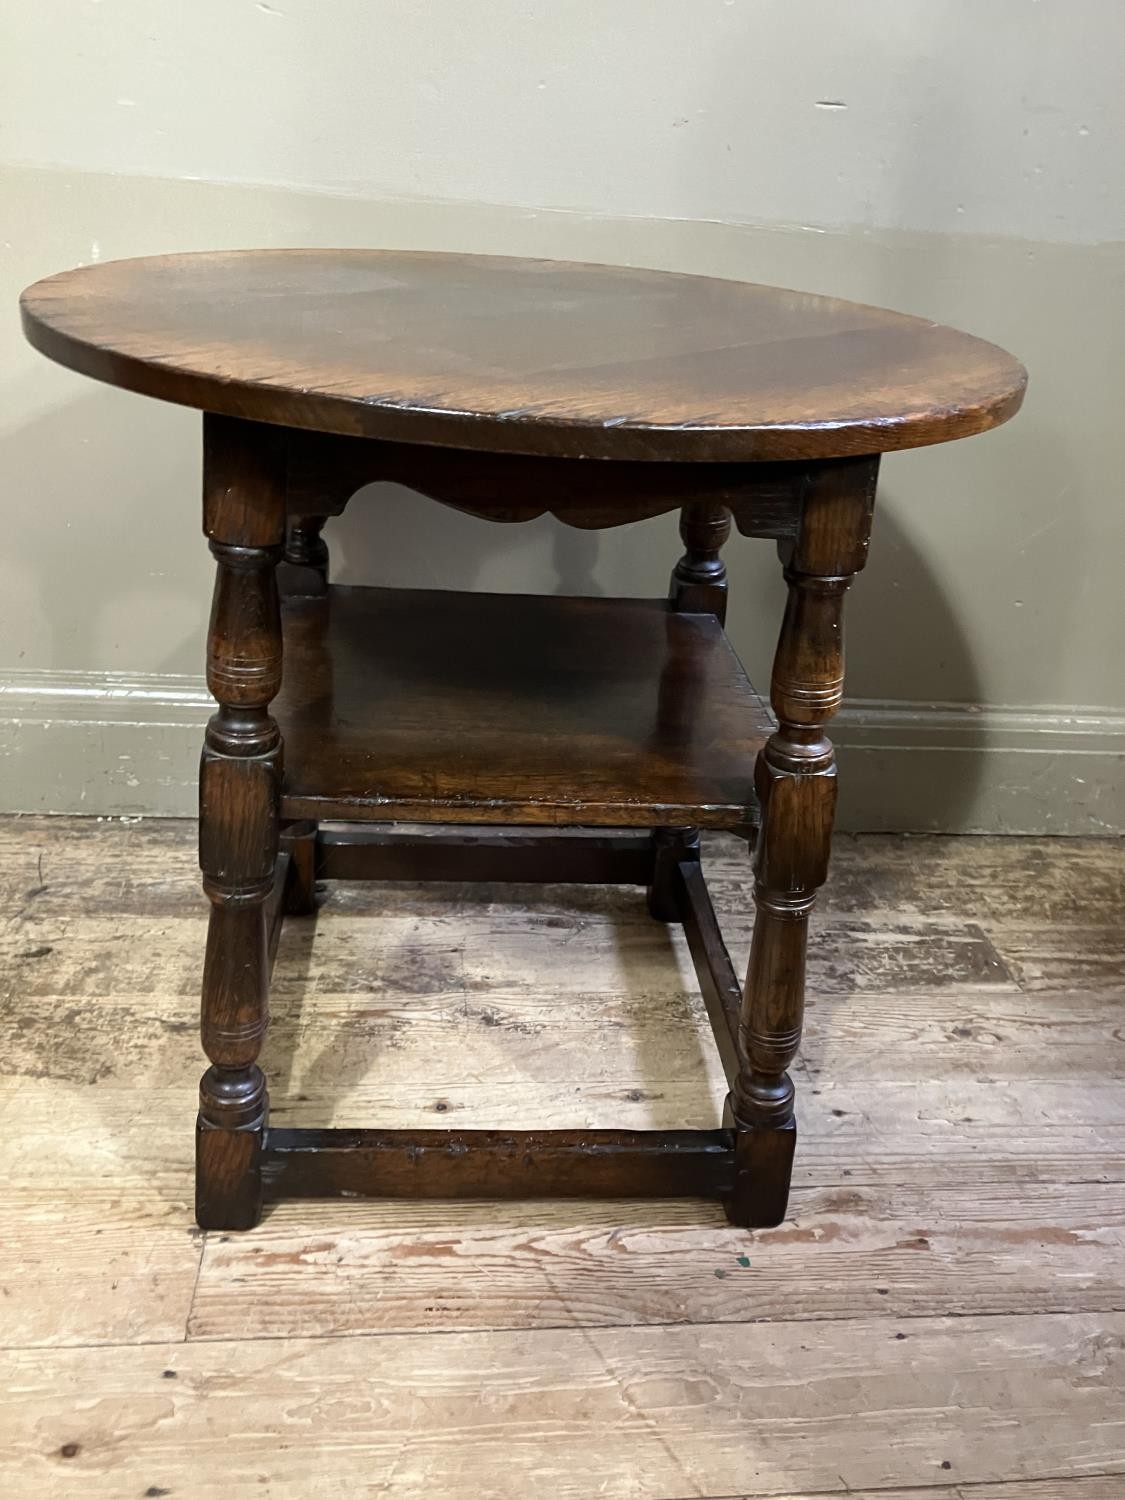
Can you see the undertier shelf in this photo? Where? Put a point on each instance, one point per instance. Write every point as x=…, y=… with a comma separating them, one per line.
x=426, y=706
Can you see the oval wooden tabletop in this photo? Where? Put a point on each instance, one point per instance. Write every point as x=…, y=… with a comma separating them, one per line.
x=524, y=356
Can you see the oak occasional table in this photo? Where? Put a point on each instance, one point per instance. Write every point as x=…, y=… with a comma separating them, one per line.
x=509, y=388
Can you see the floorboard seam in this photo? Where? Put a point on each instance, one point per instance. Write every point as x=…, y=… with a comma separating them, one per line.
x=581, y=1328
x=194, y=1289
x=574, y=1328
x=958, y=1487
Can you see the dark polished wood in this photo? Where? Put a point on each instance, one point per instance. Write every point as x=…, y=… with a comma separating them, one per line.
x=699, y=579
x=522, y=356
x=500, y=1163
x=325, y=471
x=499, y=708
x=277, y=904
x=304, y=565
x=718, y=984
x=239, y=787
x=511, y=389
x=379, y=854
x=670, y=846
x=298, y=844
x=796, y=783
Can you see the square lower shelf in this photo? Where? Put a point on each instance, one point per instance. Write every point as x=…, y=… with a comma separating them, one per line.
x=424, y=706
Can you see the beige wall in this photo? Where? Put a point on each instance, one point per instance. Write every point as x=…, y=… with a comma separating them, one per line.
x=960, y=160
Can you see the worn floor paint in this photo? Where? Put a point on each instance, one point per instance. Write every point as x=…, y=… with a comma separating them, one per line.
x=941, y=1316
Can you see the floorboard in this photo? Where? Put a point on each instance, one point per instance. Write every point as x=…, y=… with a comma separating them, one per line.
x=941, y=1316
x=658, y=1413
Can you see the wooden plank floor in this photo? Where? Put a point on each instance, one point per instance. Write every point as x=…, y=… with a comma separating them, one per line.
x=941, y=1318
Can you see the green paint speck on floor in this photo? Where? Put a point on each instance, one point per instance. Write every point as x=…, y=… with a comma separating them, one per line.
x=743, y=1260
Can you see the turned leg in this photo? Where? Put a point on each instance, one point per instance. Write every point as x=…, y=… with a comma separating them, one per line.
x=304, y=567
x=699, y=579
x=298, y=840
x=698, y=586
x=239, y=791
x=670, y=847
x=302, y=574
x=795, y=781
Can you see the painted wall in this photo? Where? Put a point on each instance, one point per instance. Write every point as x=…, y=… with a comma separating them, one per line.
x=959, y=160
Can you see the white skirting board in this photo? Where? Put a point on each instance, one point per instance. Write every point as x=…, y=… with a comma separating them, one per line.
x=116, y=745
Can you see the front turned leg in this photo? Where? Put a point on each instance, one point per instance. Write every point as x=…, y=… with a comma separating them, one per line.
x=795, y=781
x=239, y=792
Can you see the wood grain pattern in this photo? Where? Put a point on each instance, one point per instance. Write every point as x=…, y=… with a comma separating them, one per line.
x=522, y=356
x=795, y=783
x=569, y=712
x=707, y=1410
x=498, y=1164
x=948, y=1287
x=892, y=1252
x=325, y=471
x=881, y=882
x=459, y=714
x=239, y=785
x=1066, y=1487
x=95, y=1259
